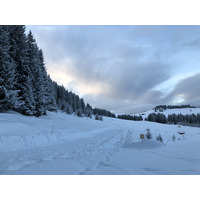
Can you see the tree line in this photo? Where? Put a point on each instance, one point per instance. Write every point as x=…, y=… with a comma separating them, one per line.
x=103, y=112
x=174, y=118
x=25, y=86
x=160, y=108
x=130, y=117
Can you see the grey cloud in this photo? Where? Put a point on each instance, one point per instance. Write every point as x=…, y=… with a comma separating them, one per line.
x=168, y=40
x=193, y=44
x=189, y=89
x=104, y=59
x=134, y=81
x=119, y=105
x=127, y=62
x=154, y=97
x=131, y=86
x=125, y=80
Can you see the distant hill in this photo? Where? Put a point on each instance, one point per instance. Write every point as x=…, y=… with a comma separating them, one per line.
x=183, y=111
x=164, y=107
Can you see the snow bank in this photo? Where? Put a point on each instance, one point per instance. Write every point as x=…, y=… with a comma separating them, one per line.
x=23, y=132
x=146, y=144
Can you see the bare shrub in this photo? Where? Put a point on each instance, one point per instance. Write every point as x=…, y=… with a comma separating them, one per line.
x=159, y=138
x=126, y=139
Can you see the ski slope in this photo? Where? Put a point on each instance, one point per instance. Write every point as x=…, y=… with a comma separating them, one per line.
x=65, y=144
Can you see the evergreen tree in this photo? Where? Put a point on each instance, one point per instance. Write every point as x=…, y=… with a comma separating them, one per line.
x=50, y=95
x=174, y=118
x=169, y=118
x=152, y=117
x=88, y=111
x=161, y=118
x=48, y=98
x=198, y=117
x=36, y=76
x=8, y=97
x=22, y=83
x=82, y=106
x=193, y=119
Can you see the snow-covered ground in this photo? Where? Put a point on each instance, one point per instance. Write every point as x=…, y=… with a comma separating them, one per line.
x=65, y=144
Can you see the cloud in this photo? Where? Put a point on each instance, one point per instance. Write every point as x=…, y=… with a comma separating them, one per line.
x=193, y=44
x=120, y=68
x=188, y=90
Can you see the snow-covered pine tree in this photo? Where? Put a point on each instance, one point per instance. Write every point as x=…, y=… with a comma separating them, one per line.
x=49, y=97
x=8, y=95
x=79, y=113
x=74, y=103
x=174, y=118
x=69, y=109
x=88, y=111
x=82, y=105
x=39, y=86
x=70, y=101
x=22, y=83
x=38, y=75
x=62, y=100
x=161, y=118
x=198, y=117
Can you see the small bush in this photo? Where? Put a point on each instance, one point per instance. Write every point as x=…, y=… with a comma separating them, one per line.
x=79, y=113
x=96, y=117
x=173, y=138
x=159, y=138
x=99, y=117
x=148, y=135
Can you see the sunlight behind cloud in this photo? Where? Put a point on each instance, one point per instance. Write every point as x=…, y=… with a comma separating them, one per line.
x=178, y=99
x=62, y=73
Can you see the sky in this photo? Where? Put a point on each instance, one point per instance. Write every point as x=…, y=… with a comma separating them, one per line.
x=125, y=69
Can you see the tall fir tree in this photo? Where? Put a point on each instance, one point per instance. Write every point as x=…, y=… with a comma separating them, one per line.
x=38, y=75
x=8, y=95
x=23, y=83
x=50, y=95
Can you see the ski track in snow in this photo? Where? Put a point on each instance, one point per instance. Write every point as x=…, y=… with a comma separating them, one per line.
x=102, y=144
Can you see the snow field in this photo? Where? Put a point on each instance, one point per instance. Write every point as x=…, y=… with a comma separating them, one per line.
x=65, y=144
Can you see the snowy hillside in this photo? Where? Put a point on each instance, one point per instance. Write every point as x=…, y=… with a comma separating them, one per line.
x=64, y=144
x=183, y=111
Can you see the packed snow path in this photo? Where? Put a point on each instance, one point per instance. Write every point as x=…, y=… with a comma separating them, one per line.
x=101, y=146
x=64, y=144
